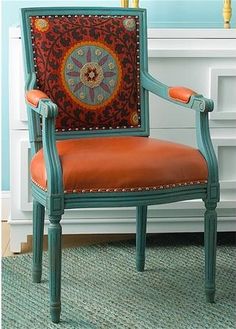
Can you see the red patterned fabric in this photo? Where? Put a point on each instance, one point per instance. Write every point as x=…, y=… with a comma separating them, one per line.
x=89, y=66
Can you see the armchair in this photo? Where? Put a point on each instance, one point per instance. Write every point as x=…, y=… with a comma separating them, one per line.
x=87, y=101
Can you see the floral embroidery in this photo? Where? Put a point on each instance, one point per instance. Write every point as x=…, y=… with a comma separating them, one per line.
x=100, y=98
x=111, y=66
x=41, y=24
x=98, y=52
x=91, y=75
x=134, y=118
x=81, y=107
x=80, y=52
x=70, y=66
x=82, y=95
x=129, y=24
x=112, y=83
x=71, y=82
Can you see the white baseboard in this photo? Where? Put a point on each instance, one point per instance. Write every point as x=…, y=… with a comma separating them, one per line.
x=19, y=229
x=5, y=198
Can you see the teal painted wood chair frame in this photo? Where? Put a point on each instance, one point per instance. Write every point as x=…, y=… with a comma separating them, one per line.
x=42, y=116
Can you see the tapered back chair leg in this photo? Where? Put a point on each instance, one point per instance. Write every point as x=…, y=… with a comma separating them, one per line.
x=141, y=224
x=210, y=237
x=54, y=249
x=38, y=228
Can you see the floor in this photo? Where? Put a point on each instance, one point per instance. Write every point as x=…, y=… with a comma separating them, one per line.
x=68, y=241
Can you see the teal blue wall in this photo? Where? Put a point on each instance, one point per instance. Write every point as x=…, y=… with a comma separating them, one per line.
x=161, y=13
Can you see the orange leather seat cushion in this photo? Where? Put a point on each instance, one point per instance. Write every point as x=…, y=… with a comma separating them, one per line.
x=123, y=164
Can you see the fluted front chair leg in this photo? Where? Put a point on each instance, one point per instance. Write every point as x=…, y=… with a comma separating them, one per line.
x=38, y=227
x=54, y=249
x=141, y=224
x=210, y=238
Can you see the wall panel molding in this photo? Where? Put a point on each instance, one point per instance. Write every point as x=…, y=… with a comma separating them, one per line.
x=222, y=91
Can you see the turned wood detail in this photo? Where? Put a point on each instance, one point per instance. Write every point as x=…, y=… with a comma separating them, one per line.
x=227, y=13
x=54, y=250
x=134, y=4
x=124, y=3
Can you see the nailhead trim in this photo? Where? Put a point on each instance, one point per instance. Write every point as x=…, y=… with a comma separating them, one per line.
x=129, y=189
x=97, y=128
x=138, y=66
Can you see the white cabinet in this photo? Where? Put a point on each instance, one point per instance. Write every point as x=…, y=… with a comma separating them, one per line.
x=204, y=60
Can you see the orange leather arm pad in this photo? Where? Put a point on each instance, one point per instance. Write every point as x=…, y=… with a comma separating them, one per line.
x=181, y=94
x=34, y=96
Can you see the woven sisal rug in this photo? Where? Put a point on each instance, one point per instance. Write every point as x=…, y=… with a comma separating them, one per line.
x=101, y=288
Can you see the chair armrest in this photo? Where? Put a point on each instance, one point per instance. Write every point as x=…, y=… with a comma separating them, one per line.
x=178, y=95
x=188, y=98
x=181, y=94
x=41, y=103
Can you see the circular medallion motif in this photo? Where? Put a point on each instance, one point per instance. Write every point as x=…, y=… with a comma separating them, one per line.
x=91, y=74
x=129, y=24
x=41, y=24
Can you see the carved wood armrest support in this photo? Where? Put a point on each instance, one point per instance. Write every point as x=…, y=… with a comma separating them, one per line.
x=52, y=160
x=41, y=104
x=188, y=98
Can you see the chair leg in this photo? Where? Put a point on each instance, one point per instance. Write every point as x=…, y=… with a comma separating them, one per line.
x=210, y=236
x=141, y=224
x=54, y=249
x=38, y=227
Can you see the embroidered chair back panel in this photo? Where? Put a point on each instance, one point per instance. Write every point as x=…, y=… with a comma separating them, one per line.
x=89, y=65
